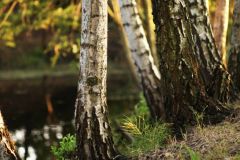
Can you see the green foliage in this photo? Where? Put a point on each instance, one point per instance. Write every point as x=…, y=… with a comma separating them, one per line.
x=34, y=59
x=66, y=148
x=193, y=155
x=60, y=20
x=237, y=157
x=198, y=117
x=147, y=136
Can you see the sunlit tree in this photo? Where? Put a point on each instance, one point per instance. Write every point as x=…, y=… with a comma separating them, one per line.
x=94, y=140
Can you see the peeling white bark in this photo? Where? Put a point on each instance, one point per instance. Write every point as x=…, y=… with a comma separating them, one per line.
x=199, y=17
x=213, y=70
x=93, y=131
x=138, y=42
x=7, y=148
x=142, y=56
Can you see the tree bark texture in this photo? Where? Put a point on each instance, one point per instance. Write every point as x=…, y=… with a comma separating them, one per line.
x=7, y=148
x=216, y=79
x=142, y=56
x=220, y=26
x=94, y=140
x=234, y=56
x=183, y=86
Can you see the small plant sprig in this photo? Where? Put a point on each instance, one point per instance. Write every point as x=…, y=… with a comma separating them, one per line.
x=66, y=148
x=193, y=155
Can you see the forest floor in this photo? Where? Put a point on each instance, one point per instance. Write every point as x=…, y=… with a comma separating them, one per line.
x=213, y=142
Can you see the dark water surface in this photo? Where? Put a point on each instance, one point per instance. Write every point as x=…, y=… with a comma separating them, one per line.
x=34, y=130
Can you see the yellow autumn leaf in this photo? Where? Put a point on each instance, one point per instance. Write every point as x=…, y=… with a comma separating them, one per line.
x=74, y=48
x=10, y=44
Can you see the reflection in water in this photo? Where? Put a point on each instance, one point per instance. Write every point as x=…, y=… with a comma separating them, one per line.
x=39, y=110
x=36, y=143
x=36, y=131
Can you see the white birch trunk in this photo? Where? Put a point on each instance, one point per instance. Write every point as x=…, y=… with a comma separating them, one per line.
x=213, y=71
x=7, y=148
x=199, y=16
x=141, y=53
x=93, y=131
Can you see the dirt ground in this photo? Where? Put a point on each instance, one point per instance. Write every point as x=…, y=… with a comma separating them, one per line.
x=213, y=142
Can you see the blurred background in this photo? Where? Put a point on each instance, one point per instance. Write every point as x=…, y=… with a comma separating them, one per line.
x=39, y=50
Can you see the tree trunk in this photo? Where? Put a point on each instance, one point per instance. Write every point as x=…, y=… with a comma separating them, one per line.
x=94, y=140
x=183, y=86
x=7, y=148
x=142, y=56
x=207, y=5
x=150, y=27
x=215, y=76
x=234, y=57
x=220, y=26
x=116, y=16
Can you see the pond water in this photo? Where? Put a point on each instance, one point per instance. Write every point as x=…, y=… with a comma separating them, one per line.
x=35, y=131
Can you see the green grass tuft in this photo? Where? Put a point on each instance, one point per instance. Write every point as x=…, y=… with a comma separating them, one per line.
x=147, y=135
x=193, y=155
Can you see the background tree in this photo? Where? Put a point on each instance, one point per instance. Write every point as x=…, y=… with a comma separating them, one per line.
x=142, y=56
x=94, y=140
x=115, y=14
x=220, y=26
x=149, y=26
x=57, y=21
x=234, y=55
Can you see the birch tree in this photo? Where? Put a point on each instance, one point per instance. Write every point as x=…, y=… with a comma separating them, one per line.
x=234, y=57
x=115, y=14
x=94, y=140
x=7, y=148
x=142, y=56
x=150, y=27
x=220, y=26
x=183, y=86
x=215, y=76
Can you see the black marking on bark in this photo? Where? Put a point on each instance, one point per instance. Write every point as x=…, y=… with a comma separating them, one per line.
x=135, y=14
x=85, y=31
x=126, y=24
x=140, y=36
x=93, y=92
x=137, y=26
x=133, y=50
x=95, y=16
x=128, y=5
x=92, y=81
x=88, y=45
x=144, y=53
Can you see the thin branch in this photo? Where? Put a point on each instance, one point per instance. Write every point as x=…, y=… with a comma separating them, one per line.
x=9, y=12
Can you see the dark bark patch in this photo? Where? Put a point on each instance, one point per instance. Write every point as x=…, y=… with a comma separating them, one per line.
x=126, y=24
x=92, y=81
x=128, y=5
